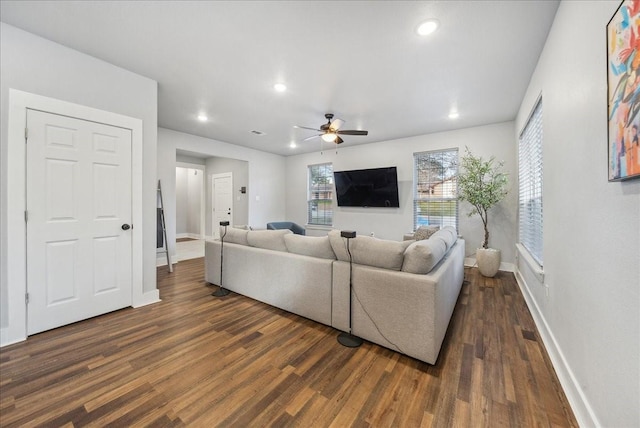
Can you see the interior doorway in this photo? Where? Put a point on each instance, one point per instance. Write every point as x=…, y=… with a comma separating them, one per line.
x=190, y=201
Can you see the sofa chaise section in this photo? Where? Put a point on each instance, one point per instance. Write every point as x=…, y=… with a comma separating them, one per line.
x=296, y=283
x=403, y=311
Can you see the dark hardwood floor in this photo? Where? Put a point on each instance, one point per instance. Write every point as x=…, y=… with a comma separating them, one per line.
x=196, y=360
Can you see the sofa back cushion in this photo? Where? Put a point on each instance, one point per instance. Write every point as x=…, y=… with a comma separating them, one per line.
x=448, y=234
x=366, y=250
x=422, y=256
x=268, y=239
x=234, y=235
x=314, y=246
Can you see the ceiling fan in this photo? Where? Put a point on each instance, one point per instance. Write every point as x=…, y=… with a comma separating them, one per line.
x=330, y=131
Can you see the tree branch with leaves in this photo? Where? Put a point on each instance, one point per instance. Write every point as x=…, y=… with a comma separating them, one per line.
x=483, y=184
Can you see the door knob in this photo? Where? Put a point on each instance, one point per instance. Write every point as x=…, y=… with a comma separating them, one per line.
x=126, y=227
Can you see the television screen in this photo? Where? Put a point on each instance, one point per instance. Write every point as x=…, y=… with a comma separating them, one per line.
x=376, y=187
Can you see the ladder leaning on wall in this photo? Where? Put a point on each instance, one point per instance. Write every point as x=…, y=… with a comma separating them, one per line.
x=162, y=225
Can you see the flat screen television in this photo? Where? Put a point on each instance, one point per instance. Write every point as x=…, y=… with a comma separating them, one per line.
x=375, y=187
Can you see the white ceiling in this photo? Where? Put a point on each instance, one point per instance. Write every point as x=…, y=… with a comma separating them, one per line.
x=361, y=60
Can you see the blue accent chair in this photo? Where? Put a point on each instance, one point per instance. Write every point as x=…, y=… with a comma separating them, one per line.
x=295, y=228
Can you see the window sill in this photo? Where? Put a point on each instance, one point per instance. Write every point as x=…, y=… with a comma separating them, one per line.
x=317, y=227
x=531, y=263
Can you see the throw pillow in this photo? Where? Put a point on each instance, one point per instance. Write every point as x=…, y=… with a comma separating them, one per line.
x=425, y=232
x=314, y=246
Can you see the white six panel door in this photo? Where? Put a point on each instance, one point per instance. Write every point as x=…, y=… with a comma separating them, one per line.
x=222, y=200
x=78, y=199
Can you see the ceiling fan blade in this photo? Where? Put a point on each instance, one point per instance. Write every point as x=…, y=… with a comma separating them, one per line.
x=306, y=127
x=338, y=140
x=352, y=132
x=336, y=124
x=311, y=138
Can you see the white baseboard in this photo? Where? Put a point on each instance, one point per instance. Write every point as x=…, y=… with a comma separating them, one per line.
x=148, y=298
x=189, y=235
x=507, y=267
x=6, y=340
x=582, y=410
x=162, y=261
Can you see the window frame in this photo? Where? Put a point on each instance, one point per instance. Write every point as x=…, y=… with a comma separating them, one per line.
x=313, y=196
x=453, y=198
x=531, y=185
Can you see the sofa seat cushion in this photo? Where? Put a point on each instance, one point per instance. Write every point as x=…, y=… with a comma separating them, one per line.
x=234, y=235
x=422, y=256
x=314, y=246
x=268, y=239
x=369, y=251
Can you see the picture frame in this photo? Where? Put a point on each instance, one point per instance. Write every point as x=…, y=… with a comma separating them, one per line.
x=623, y=92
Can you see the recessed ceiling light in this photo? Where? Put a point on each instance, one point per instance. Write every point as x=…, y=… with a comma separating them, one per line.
x=428, y=27
x=293, y=145
x=454, y=114
x=280, y=87
x=202, y=117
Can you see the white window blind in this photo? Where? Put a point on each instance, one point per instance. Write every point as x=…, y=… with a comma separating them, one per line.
x=530, y=191
x=320, y=195
x=435, y=200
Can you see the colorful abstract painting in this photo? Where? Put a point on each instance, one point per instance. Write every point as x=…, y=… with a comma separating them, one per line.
x=623, y=74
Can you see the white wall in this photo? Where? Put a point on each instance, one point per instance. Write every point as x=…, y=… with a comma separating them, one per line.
x=182, y=200
x=32, y=64
x=391, y=223
x=195, y=184
x=266, y=188
x=591, y=318
x=189, y=188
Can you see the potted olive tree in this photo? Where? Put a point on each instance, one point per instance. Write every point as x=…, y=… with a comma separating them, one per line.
x=483, y=184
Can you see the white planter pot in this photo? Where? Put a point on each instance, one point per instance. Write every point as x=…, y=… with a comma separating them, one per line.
x=488, y=261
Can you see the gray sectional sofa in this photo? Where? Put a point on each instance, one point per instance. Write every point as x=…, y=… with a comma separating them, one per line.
x=403, y=296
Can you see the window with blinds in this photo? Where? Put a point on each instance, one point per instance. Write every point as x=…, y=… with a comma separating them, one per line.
x=530, y=191
x=435, y=200
x=320, y=195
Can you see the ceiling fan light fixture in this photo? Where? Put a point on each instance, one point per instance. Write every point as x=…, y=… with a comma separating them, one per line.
x=428, y=27
x=329, y=137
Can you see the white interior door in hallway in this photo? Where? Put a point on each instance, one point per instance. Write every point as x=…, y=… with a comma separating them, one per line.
x=79, y=243
x=222, y=189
